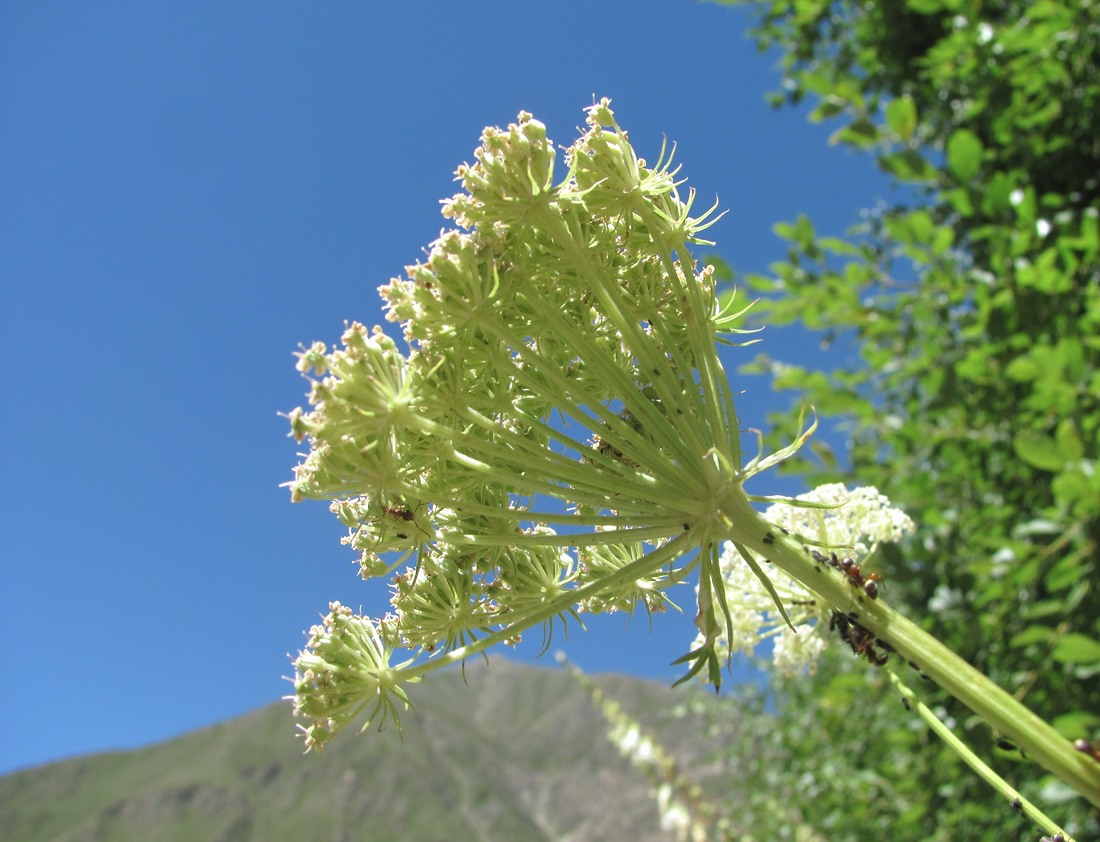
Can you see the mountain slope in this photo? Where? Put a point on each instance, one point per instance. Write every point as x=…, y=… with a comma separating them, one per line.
x=513, y=753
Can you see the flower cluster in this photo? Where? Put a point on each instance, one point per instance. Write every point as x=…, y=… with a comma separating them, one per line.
x=856, y=520
x=559, y=436
x=346, y=667
x=853, y=522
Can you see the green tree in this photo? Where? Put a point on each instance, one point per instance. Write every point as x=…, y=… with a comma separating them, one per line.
x=975, y=306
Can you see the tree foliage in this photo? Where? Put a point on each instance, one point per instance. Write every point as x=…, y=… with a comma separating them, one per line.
x=975, y=403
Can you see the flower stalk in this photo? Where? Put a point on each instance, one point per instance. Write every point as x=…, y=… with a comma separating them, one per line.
x=1021, y=804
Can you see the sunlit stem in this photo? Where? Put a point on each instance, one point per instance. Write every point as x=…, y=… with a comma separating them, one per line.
x=972, y=760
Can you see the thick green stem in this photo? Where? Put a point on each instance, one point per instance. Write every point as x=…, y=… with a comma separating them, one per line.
x=1033, y=735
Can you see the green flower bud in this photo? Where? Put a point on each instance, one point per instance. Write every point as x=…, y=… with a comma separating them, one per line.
x=344, y=669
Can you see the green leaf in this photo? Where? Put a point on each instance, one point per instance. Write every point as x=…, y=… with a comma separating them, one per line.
x=801, y=231
x=837, y=245
x=907, y=166
x=1065, y=574
x=860, y=133
x=785, y=230
x=804, y=231
x=901, y=116
x=964, y=154
x=829, y=107
x=1038, y=450
x=998, y=193
x=1090, y=232
x=1069, y=440
x=1076, y=649
x=960, y=201
x=1023, y=369
x=1069, y=487
x=1031, y=635
x=1075, y=723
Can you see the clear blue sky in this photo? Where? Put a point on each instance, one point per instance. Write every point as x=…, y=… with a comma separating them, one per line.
x=190, y=190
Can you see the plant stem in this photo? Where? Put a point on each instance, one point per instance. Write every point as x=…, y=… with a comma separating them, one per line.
x=1025, y=807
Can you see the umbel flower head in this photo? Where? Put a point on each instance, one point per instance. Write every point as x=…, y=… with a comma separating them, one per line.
x=559, y=436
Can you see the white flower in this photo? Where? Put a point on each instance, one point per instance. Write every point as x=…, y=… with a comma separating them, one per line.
x=797, y=649
x=754, y=616
x=856, y=520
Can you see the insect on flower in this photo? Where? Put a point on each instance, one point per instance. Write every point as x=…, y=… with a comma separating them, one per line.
x=405, y=515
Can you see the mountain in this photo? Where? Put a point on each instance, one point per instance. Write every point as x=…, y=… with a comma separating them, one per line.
x=508, y=752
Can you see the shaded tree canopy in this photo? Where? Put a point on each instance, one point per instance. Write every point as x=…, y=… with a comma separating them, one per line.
x=975, y=402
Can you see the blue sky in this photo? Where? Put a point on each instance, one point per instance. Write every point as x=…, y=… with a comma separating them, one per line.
x=190, y=190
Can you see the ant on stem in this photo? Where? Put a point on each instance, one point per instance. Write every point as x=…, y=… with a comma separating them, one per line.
x=859, y=638
x=852, y=572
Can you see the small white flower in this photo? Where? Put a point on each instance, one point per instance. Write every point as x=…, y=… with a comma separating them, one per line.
x=797, y=650
x=856, y=520
x=754, y=616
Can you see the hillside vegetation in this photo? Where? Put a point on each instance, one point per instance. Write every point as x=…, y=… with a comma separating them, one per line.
x=512, y=753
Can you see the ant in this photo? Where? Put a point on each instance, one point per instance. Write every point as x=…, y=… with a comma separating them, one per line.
x=606, y=448
x=1092, y=749
x=400, y=514
x=870, y=585
x=916, y=667
x=852, y=572
x=860, y=639
x=405, y=515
